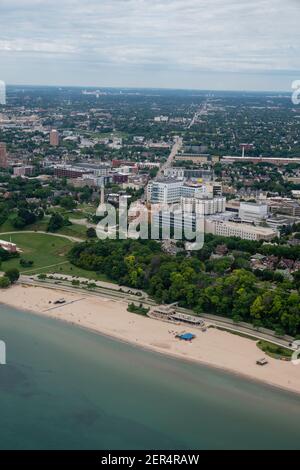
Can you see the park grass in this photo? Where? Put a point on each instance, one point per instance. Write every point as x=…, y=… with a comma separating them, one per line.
x=74, y=230
x=275, y=351
x=49, y=255
x=40, y=225
x=44, y=250
x=70, y=214
x=71, y=270
x=77, y=231
x=87, y=207
x=75, y=214
x=139, y=309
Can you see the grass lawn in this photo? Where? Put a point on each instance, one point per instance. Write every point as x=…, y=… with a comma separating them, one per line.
x=49, y=254
x=74, y=230
x=40, y=225
x=272, y=350
x=76, y=214
x=87, y=207
x=43, y=250
x=72, y=270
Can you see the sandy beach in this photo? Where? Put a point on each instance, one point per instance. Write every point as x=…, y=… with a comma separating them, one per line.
x=213, y=347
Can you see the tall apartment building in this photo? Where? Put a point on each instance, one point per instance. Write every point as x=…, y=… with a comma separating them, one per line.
x=203, y=206
x=54, y=138
x=3, y=155
x=174, y=220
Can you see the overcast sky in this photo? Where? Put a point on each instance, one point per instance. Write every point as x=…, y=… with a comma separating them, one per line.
x=202, y=44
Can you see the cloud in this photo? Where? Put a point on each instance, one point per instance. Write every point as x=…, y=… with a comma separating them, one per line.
x=199, y=35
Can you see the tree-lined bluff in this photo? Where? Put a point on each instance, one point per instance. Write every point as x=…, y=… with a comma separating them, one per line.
x=217, y=286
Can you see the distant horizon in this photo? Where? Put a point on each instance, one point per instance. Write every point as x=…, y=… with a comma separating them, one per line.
x=163, y=44
x=162, y=88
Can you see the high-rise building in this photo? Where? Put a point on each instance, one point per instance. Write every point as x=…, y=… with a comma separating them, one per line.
x=3, y=155
x=164, y=191
x=54, y=138
x=2, y=93
x=169, y=191
x=206, y=206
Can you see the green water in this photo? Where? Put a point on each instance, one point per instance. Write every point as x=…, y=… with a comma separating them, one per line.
x=66, y=388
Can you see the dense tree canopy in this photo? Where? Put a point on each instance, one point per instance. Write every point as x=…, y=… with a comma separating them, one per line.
x=214, y=286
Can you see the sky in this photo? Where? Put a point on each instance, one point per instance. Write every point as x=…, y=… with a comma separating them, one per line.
x=193, y=44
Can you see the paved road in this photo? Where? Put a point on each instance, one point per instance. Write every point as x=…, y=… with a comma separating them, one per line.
x=67, y=237
x=198, y=113
x=99, y=292
x=242, y=328
x=83, y=222
x=175, y=149
x=100, y=284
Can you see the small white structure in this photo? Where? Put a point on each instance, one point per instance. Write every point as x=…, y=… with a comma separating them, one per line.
x=296, y=345
x=8, y=246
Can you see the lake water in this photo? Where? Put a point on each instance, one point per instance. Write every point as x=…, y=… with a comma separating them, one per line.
x=66, y=388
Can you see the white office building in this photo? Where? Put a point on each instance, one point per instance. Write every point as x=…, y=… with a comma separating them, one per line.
x=170, y=191
x=232, y=229
x=193, y=190
x=252, y=212
x=174, y=172
x=164, y=191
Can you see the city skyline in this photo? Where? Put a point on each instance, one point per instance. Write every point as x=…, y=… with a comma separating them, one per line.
x=194, y=44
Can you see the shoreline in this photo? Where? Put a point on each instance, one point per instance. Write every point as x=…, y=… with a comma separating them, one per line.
x=160, y=340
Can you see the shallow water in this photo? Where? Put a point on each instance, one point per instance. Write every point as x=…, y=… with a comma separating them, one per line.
x=67, y=388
